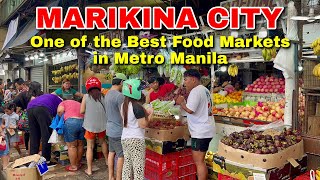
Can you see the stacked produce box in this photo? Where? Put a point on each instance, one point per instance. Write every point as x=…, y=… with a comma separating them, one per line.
x=272, y=154
x=167, y=155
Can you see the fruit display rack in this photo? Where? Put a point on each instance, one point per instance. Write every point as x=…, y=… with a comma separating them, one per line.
x=238, y=121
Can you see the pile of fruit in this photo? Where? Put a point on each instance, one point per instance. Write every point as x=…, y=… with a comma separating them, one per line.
x=128, y=70
x=301, y=106
x=69, y=72
x=262, y=143
x=164, y=124
x=234, y=97
x=265, y=84
x=267, y=111
x=233, y=70
x=316, y=47
x=269, y=53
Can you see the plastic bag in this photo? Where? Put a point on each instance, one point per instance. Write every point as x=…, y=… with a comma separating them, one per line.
x=277, y=125
x=54, y=138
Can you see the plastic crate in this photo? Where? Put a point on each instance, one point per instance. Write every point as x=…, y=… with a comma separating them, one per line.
x=161, y=162
x=187, y=169
x=225, y=177
x=189, y=177
x=185, y=157
x=154, y=174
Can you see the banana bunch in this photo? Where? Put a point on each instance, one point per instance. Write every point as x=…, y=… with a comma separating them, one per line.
x=318, y=174
x=316, y=71
x=269, y=53
x=316, y=46
x=233, y=70
x=57, y=79
x=108, y=76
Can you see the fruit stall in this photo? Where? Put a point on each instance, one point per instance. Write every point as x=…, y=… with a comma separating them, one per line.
x=64, y=66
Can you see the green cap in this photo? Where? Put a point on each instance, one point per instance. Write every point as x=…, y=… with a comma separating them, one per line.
x=120, y=76
x=131, y=89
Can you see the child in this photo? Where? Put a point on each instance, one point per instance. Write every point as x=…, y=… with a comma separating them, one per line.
x=4, y=155
x=11, y=123
x=94, y=120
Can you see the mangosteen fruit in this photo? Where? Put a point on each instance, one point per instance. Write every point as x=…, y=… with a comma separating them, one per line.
x=299, y=138
x=268, y=137
x=289, y=131
x=246, y=136
x=277, y=143
x=258, y=151
x=251, y=150
x=276, y=137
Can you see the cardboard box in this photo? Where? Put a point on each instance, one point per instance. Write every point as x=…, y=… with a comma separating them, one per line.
x=165, y=147
x=179, y=132
x=318, y=109
x=23, y=173
x=266, y=161
x=247, y=172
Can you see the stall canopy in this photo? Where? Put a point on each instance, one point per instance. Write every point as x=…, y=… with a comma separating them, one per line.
x=26, y=33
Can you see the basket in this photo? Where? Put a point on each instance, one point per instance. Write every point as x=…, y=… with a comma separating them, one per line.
x=309, y=80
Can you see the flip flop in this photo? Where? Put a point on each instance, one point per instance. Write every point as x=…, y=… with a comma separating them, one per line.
x=86, y=171
x=80, y=166
x=68, y=168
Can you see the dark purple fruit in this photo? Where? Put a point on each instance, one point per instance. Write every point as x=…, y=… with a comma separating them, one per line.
x=246, y=136
x=262, y=144
x=268, y=137
x=248, y=146
x=282, y=136
x=258, y=151
x=276, y=137
x=299, y=138
x=289, y=131
x=277, y=143
x=273, y=151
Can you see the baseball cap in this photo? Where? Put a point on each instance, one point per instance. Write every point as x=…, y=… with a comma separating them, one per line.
x=120, y=76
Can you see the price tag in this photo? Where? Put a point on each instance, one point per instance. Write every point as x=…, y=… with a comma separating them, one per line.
x=259, y=176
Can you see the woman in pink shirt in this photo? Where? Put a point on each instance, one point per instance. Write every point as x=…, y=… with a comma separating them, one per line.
x=73, y=132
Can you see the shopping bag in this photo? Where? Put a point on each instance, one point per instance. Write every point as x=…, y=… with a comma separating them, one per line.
x=23, y=123
x=3, y=144
x=54, y=138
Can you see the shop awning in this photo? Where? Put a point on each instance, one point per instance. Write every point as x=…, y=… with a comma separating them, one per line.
x=27, y=32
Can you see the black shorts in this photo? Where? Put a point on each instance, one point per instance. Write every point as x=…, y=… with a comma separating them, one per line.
x=200, y=144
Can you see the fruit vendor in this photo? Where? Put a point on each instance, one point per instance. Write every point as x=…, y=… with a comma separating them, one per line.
x=159, y=89
x=66, y=92
x=200, y=124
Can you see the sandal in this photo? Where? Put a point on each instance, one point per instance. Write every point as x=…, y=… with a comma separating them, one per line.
x=68, y=168
x=86, y=171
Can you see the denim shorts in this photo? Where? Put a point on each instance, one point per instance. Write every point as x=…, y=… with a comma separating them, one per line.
x=115, y=146
x=73, y=130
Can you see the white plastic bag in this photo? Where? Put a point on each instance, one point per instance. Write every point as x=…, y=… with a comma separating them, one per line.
x=54, y=138
x=277, y=125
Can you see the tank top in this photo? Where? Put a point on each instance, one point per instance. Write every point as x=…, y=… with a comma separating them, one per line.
x=95, y=116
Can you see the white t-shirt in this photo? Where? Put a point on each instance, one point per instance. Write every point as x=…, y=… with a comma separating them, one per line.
x=132, y=130
x=200, y=124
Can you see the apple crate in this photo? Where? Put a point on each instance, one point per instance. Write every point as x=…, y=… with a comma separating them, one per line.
x=185, y=157
x=189, y=177
x=187, y=169
x=161, y=162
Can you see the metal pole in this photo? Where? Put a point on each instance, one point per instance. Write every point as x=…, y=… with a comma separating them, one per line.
x=80, y=53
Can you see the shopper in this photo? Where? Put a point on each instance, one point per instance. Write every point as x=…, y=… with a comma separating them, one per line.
x=135, y=120
x=10, y=94
x=40, y=111
x=11, y=119
x=201, y=125
x=159, y=88
x=22, y=101
x=20, y=85
x=113, y=101
x=73, y=132
x=4, y=154
x=66, y=92
x=1, y=90
x=95, y=122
